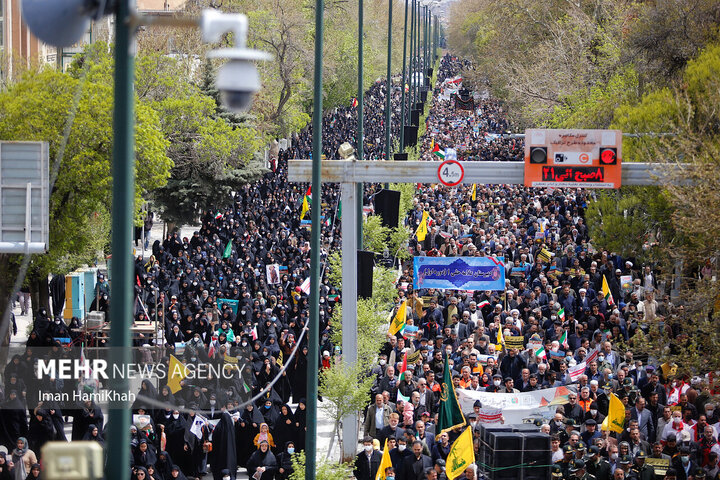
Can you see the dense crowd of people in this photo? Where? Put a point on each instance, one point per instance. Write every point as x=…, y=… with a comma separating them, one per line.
x=236, y=289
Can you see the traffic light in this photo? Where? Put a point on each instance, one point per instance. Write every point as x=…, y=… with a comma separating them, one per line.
x=608, y=156
x=538, y=155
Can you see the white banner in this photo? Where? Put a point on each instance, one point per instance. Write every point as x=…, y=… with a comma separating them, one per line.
x=516, y=406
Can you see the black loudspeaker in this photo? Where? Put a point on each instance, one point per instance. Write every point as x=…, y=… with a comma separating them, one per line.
x=486, y=450
x=423, y=95
x=420, y=106
x=387, y=205
x=506, y=454
x=411, y=132
x=365, y=264
x=415, y=117
x=536, y=456
x=400, y=157
x=525, y=427
x=429, y=72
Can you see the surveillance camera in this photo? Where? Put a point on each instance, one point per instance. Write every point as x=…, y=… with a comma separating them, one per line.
x=237, y=81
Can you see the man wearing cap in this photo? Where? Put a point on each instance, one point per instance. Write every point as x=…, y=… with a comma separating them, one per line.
x=640, y=470
x=591, y=432
x=556, y=472
x=496, y=385
x=597, y=465
x=577, y=470
x=624, y=463
x=568, y=453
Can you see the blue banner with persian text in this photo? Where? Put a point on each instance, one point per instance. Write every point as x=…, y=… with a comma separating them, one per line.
x=459, y=273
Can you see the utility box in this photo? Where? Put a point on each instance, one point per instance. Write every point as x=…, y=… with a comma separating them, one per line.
x=74, y=296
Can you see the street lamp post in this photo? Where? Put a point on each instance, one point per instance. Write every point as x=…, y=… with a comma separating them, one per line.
x=359, y=189
x=388, y=96
x=404, y=80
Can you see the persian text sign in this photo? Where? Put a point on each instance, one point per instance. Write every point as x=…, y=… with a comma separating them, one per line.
x=459, y=273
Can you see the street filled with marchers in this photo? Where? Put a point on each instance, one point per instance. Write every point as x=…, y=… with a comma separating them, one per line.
x=460, y=370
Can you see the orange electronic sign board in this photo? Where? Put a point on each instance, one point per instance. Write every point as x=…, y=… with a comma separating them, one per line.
x=573, y=158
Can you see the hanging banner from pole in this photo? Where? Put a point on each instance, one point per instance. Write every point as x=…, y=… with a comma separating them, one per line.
x=465, y=273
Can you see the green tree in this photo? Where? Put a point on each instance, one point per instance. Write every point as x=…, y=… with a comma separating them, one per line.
x=36, y=108
x=325, y=470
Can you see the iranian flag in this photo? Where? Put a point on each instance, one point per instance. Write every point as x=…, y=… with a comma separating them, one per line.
x=563, y=339
x=483, y=304
x=436, y=151
x=561, y=314
x=540, y=352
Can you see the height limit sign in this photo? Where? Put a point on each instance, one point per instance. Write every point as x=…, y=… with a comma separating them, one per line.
x=451, y=173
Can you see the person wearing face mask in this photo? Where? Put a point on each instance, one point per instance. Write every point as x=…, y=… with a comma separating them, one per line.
x=377, y=417
x=262, y=464
x=284, y=461
x=367, y=461
x=684, y=465
x=496, y=384
x=176, y=445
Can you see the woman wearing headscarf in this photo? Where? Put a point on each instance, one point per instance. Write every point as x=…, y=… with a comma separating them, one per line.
x=94, y=435
x=23, y=458
x=145, y=454
x=147, y=391
x=41, y=430
x=262, y=462
x=176, y=444
x=34, y=472
x=140, y=473
x=284, y=462
x=284, y=430
x=163, y=465
x=13, y=420
x=6, y=472
x=176, y=473
x=247, y=427
x=223, y=448
x=152, y=473
x=298, y=373
x=300, y=424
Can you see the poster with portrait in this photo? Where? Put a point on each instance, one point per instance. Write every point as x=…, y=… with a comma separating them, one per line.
x=273, y=274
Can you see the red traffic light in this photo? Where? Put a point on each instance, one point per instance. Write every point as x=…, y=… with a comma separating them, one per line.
x=608, y=156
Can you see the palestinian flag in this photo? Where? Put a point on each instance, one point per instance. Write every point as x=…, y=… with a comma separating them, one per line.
x=436, y=151
x=606, y=292
x=403, y=368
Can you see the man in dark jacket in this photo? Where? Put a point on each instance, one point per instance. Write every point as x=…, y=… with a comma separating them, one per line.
x=367, y=462
x=414, y=467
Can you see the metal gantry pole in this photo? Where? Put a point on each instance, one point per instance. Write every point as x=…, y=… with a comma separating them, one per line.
x=404, y=82
x=359, y=188
x=314, y=321
x=388, y=99
x=123, y=208
x=349, y=305
x=411, y=105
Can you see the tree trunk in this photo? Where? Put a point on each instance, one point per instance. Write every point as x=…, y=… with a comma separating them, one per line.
x=6, y=287
x=39, y=294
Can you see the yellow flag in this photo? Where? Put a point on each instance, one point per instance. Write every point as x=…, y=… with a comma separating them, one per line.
x=461, y=455
x=422, y=229
x=398, y=322
x=669, y=369
x=606, y=291
x=615, y=420
x=500, y=341
x=384, y=463
x=305, y=207
x=474, y=192
x=176, y=374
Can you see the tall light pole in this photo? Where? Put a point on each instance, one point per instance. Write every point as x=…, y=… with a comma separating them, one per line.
x=359, y=189
x=123, y=205
x=388, y=96
x=314, y=321
x=404, y=80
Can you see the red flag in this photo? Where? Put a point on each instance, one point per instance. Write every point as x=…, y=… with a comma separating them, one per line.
x=354, y=103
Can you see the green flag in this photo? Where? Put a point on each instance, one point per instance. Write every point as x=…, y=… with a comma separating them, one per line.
x=228, y=249
x=450, y=414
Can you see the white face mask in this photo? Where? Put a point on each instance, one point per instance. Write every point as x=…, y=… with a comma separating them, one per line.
x=176, y=416
x=676, y=421
x=368, y=448
x=593, y=412
x=709, y=413
x=613, y=456
x=497, y=383
x=291, y=450
x=402, y=447
x=212, y=402
x=382, y=362
x=226, y=478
